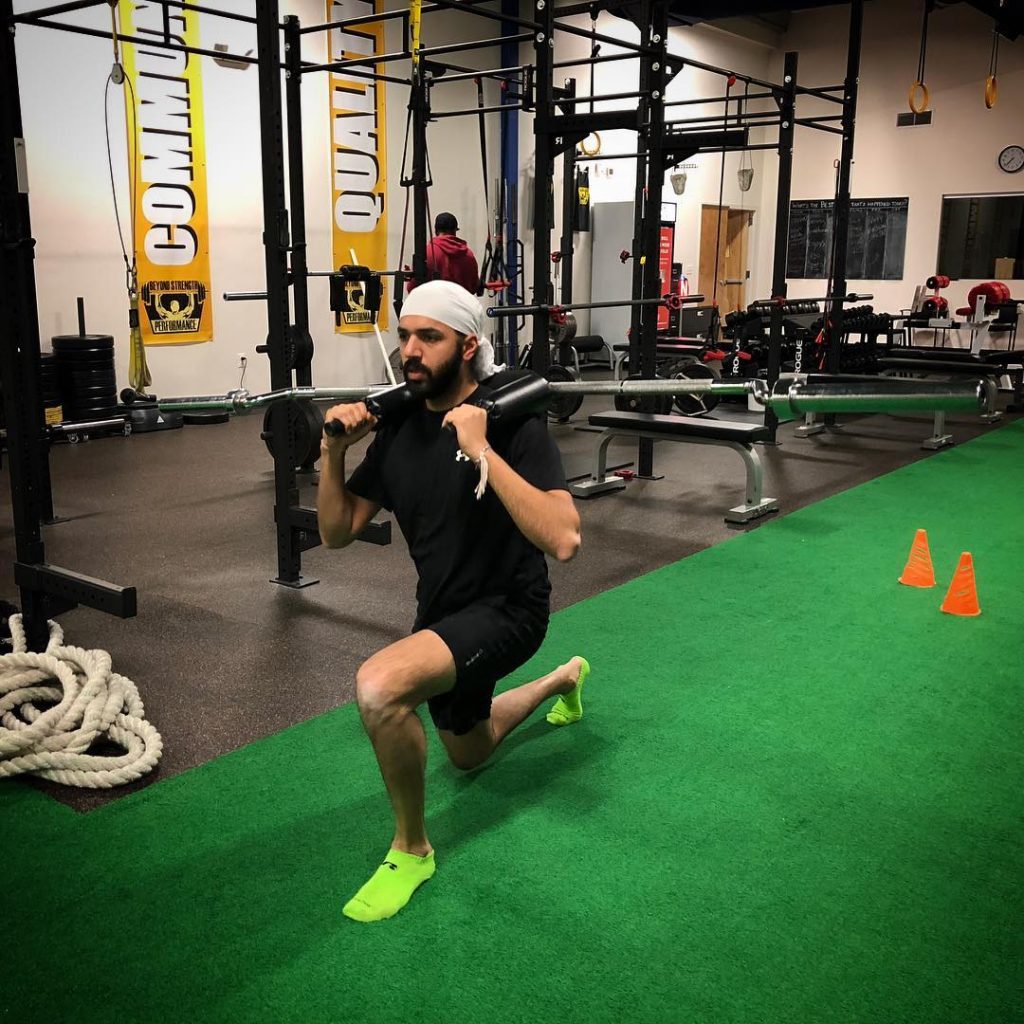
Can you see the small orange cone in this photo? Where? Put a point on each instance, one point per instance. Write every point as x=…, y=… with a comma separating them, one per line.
x=962, y=596
x=918, y=571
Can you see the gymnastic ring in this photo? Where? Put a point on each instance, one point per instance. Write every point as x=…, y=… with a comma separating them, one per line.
x=594, y=149
x=991, y=92
x=912, y=96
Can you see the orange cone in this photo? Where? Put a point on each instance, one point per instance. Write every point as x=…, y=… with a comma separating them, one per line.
x=918, y=571
x=962, y=596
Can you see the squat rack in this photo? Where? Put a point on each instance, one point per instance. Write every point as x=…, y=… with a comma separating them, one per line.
x=47, y=591
x=559, y=126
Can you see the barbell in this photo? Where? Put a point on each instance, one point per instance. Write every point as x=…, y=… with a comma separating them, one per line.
x=530, y=393
x=556, y=310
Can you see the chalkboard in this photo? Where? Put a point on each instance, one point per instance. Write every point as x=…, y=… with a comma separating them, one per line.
x=875, y=247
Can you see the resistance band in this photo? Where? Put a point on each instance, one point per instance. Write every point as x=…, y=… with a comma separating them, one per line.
x=139, y=376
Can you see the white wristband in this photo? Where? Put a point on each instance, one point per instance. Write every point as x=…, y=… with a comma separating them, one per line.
x=482, y=463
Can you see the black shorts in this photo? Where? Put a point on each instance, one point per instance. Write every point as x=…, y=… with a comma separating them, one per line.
x=488, y=640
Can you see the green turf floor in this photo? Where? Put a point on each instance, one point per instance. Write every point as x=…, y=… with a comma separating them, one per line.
x=796, y=796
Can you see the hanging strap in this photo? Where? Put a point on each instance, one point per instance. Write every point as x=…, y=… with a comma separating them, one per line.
x=415, y=24
x=745, y=158
x=488, y=259
x=991, y=83
x=919, y=97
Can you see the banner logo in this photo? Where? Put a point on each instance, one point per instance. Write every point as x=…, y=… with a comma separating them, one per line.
x=174, y=307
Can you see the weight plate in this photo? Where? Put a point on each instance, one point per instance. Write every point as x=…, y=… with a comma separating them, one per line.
x=661, y=404
x=69, y=342
x=89, y=394
x=562, y=408
x=77, y=414
x=307, y=423
x=93, y=361
x=92, y=378
x=562, y=333
x=689, y=369
x=76, y=355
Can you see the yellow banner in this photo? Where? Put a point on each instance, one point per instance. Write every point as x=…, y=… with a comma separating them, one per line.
x=167, y=171
x=359, y=222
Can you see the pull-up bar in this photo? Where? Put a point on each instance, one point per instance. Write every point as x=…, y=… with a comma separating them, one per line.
x=26, y=19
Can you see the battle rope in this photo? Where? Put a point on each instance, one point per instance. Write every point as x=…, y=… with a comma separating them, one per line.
x=90, y=703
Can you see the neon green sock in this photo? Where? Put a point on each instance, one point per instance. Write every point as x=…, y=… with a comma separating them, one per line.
x=390, y=887
x=569, y=707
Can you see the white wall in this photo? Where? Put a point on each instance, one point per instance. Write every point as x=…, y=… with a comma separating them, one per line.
x=78, y=252
x=955, y=154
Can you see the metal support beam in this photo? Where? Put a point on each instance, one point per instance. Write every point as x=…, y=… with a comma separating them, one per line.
x=650, y=176
x=544, y=173
x=841, y=206
x=510, y=177
x=419, y=104
x=565, y=247
x=787, y=110
x=276, y=243
x=296, y=191
x=45, y=591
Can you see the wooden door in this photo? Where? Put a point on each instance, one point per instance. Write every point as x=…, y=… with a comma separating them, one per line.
x=714, y=225
x=733, y=296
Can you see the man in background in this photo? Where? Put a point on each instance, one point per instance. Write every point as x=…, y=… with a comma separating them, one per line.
x=449, y=258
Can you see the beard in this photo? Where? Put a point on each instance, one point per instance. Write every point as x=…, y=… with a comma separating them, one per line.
x=435, y=382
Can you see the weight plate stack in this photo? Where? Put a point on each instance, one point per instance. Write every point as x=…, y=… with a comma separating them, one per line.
x=51, y=388
x=86, y=376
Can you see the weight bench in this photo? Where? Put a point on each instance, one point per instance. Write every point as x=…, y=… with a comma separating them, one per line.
x=589, y=344
x=738, y=436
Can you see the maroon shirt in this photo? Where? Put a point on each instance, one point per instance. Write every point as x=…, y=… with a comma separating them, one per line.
x=450, y=259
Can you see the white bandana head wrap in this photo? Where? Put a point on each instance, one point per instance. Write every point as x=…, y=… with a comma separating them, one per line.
x=450, y=304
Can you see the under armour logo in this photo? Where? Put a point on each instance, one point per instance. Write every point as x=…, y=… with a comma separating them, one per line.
x=461, y=456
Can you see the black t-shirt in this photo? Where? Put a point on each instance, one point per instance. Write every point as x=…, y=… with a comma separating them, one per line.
x=465, y=550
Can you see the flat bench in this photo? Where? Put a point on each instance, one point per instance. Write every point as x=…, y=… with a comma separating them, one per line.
x=695, y=430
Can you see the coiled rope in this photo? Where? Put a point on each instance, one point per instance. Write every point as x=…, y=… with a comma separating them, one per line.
x=90, y=703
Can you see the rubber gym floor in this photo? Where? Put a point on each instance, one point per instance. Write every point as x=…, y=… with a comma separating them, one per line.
x=796, y=794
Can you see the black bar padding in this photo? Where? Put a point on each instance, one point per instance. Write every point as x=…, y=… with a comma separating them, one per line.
x=527, y=395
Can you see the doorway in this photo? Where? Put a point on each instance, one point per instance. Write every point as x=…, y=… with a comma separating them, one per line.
x=730, y=228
